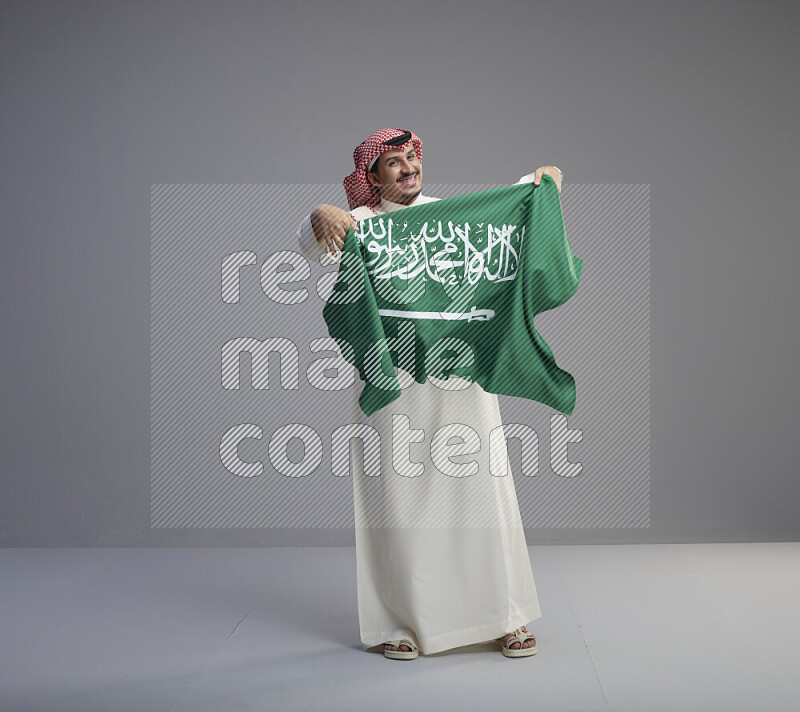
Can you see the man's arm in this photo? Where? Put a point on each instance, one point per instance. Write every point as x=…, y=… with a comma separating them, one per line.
x=324, y=230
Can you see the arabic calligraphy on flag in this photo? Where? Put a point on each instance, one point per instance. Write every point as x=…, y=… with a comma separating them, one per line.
x=452, y=287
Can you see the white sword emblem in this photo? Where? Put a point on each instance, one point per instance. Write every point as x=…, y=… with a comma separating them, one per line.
x=473, y=314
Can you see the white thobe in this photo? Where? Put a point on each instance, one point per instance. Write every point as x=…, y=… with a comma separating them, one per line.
x=441, y=556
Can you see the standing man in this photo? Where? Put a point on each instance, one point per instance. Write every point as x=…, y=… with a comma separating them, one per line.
x=441, y=560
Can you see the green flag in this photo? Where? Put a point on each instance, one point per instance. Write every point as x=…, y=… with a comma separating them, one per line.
x=453, y=286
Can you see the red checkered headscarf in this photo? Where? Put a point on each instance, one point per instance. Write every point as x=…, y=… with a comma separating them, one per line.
x=359, y=190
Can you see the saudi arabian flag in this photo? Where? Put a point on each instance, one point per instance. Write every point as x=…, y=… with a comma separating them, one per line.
x=453, y=286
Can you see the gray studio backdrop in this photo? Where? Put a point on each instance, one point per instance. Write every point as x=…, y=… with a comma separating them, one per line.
x=143, y=144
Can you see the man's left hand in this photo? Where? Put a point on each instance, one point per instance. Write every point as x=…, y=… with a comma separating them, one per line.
x=551, y=171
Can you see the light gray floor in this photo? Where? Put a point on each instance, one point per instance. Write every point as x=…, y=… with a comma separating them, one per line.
x=626, y=628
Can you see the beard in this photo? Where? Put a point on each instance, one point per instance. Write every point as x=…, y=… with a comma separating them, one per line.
x=406, y=197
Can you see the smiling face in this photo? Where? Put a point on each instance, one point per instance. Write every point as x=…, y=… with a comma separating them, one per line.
x=398, y=176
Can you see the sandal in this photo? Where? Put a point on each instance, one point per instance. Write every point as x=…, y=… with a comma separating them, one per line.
x=401, y=654
x=520, y=635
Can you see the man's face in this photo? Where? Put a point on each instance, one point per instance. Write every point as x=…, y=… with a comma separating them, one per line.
x=399, y=175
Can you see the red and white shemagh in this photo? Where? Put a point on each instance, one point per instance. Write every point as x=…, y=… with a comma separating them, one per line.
x=359, y=190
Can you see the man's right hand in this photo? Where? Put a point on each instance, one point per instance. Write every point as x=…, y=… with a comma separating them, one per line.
x=331, y=225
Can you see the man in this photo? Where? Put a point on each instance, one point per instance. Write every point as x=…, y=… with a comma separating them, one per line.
x=439, y=559
x=395, y=176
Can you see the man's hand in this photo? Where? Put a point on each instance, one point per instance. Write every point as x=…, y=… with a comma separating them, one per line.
x=551, y=171
x=330, y=226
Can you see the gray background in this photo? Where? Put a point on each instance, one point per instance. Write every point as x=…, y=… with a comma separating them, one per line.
x=102, y=100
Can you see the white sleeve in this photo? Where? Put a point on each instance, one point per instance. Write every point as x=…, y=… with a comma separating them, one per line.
x=308, y=241
x=309, y=245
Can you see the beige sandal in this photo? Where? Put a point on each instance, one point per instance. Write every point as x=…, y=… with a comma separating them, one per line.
x=401, y=654
x=520, y=635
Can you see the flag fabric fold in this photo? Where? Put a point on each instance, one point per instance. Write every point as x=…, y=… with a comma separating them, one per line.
x=453, y=287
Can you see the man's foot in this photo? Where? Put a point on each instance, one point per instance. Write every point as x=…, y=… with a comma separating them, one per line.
x=518, y=644
x=400, y=649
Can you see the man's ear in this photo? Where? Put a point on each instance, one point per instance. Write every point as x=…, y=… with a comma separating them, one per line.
x=373, y=179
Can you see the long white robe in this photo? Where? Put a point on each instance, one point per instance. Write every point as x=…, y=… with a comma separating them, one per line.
x=441, y=556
